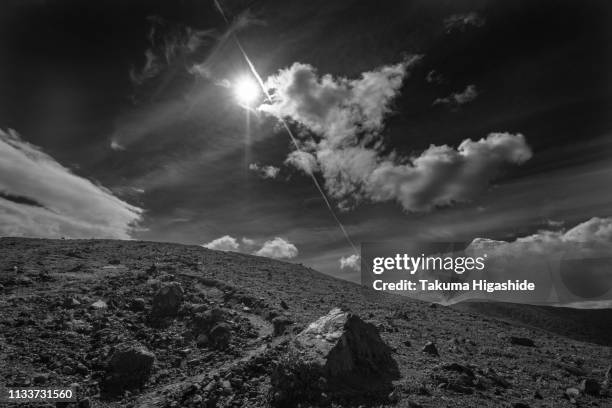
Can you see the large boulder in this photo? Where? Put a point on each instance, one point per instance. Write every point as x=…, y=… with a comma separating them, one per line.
x=167, y=300
x=337, y=357
x=129, y=367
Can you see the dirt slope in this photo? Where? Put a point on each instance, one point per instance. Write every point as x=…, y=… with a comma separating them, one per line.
x=54, y=331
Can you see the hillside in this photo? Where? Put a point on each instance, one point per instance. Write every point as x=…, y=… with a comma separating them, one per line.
x=70, y=308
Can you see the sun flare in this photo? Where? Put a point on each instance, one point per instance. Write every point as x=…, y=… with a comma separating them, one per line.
x=246, y=90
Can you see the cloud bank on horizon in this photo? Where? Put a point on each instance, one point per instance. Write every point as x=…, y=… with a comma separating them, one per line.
x=343, y=120
x=41, y=198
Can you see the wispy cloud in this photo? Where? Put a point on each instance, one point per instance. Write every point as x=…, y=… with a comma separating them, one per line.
x=461, y=22
x=264, y=171
x=351, y=262
x=457, y=99
x=42, y=198
x=343, y=119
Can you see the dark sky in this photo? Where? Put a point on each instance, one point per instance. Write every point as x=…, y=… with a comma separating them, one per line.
x=74, y=81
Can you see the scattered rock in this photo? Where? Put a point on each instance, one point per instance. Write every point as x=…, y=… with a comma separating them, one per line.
x=99, y=305
x=40, y=379
x=168, y=300
x=590, y=386
x=280, y=324
x=522, y=341
x=138, y=304
x=337, y=356
x=430, y=348
x=220, y=335
x=129, y=367
x=572, y=394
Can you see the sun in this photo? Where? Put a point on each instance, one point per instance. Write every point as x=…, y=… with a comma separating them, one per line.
x=246, y=90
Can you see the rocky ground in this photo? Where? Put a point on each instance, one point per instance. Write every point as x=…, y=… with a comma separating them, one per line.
x=140, y=324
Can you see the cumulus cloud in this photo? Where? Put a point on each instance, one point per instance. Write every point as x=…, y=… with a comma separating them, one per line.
x=351, y=262
x=42, y=198
x=264, y=171
x=567, y=266
x=461, y=22
x=343, y=119
x=278, y=248
x=225, y=243
x=457, y=99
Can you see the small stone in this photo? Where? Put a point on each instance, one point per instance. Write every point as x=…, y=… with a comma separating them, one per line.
x=590, y=386
x=82, y=369
x=168, y=300
x=85, y=403
x=430, y=348
x=522, y=341
x=138, y=304
x=202, y=340
x=572, y=394
x=99, y=305
x=40, y=379
x=68, y=370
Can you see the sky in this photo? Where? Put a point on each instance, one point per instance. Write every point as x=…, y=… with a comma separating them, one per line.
x=427, y=119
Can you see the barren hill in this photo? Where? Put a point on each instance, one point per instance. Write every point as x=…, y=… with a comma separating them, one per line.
x=152, y=324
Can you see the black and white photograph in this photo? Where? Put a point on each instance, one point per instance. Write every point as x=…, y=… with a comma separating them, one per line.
x=294, y=204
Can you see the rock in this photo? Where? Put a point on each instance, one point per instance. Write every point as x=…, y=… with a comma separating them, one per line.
x=407, y=343
x=459, y=368
x=520, y=405
x=99, y=305
x=81, y=369
x=40, y=379
x=71, y=303
x=430, y=348
x=572, y=394
x=129, y=367
x=338, y=355
x=114, y=261
x=168, y=300
x=68, y=370
x=138, y=304
x=283, y=304
x=522, y=341
x=202, y=340
x=590, y=386
x=85, y=403
x=280, y=323
x=205, y=321
x=220, y=335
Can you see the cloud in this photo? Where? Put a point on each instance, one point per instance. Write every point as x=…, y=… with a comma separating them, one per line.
x=461, y=22
x=567, y=266
x=278, y=248
x=41, y=198
x=116, y=146
x=168, y=42
x=455, y=100
x=351, y=262
x=225, y=243
x=434, y=77
x=341, y=120
x=303, y=161
x=264, y=171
